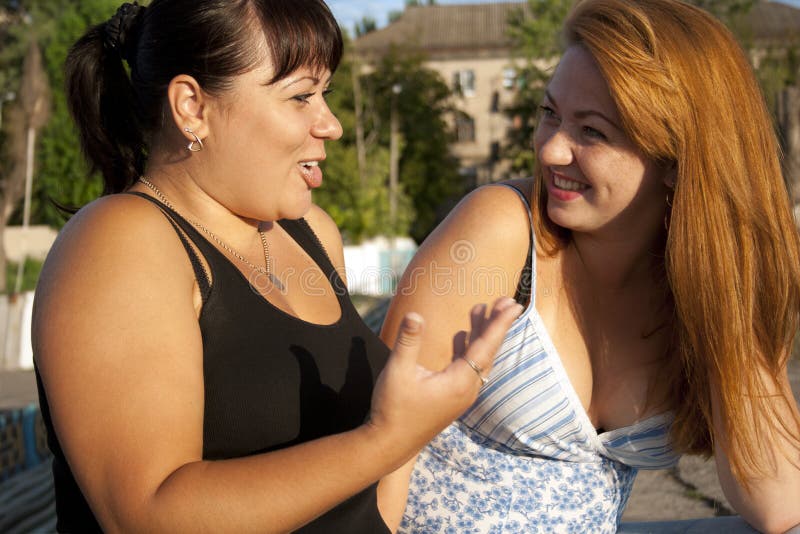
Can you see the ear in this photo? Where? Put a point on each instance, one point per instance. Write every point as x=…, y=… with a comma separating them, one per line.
x=670, y=175
x=189, y=106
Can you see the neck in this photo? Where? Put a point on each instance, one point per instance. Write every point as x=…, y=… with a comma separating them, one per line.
x=615, y=265
x=192, y=195
x=243, y=231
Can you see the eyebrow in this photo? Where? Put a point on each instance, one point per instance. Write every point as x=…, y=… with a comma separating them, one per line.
x=313, y=79
x=583, y=113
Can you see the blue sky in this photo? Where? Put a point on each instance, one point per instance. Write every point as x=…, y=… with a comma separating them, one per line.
x=347, y=12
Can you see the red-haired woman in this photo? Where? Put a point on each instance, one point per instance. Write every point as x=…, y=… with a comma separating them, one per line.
x=660, y=265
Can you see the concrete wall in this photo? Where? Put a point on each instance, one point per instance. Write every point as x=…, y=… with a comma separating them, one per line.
x=15, y=331
x=16, y=310
x=36, y=241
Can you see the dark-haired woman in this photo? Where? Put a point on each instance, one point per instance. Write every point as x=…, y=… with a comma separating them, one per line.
x=201, y=367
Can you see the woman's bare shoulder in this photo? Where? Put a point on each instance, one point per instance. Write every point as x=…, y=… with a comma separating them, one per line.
x=112, y=220
x=114, y=242
x=492, y=217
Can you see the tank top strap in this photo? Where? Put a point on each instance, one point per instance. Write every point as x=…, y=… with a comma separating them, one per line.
x=526, y=289
x=184, y=228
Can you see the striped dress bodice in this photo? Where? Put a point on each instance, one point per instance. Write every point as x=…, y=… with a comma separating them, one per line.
x=529, y=406
x=526, y=457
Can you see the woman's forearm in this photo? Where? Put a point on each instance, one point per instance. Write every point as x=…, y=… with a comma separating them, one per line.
x=768, y=501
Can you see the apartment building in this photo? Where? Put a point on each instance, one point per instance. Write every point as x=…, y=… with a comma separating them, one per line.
x=469, y=46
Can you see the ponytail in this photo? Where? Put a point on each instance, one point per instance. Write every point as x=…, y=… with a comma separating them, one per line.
x=102, y=100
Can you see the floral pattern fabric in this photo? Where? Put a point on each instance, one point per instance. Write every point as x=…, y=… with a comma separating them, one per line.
x=465, y=483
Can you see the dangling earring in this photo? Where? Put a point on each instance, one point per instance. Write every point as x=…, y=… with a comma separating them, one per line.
x=197, y=141
x=668, y=212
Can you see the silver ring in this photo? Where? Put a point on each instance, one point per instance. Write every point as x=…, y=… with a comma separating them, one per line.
x=478, y=370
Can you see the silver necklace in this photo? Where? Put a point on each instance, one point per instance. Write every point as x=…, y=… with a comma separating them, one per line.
x=267, y=270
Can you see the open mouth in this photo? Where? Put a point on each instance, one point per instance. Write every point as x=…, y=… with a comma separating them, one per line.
x=308, y=167
x=569, y=185
x=311, y=173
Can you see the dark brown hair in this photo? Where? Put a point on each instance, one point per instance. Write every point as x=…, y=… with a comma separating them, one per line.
x=210, y=40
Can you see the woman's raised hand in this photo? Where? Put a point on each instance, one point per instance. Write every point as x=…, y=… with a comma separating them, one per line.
x=411, y=404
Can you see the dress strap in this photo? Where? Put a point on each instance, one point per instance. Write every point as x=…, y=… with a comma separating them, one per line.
x=526, y=289
x=199, y=271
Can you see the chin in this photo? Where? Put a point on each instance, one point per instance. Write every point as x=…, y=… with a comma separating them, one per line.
x=297, y=211
x=562, y=217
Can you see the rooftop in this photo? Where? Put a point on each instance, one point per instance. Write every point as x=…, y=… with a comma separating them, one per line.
x=453, y=28
x=775, y=22
x=444, y=28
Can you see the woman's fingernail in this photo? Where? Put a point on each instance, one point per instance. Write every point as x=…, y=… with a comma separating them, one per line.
x=412, y=321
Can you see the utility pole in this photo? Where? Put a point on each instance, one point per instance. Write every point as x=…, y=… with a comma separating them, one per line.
x=361, y=149
x=394, y=155
x=36, y=101
x=394, y=163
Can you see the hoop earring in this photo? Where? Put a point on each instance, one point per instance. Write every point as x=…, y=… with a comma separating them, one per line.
x=190, y=147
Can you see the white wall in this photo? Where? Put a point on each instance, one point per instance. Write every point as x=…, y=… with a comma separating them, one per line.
x=35, y=241
x=15, y=331
x=372, y=268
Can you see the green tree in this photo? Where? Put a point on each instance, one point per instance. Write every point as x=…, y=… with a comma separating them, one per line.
x=778, y=68
x=357, y=200
x=428, y=172
x=534, y=30
x=366, y=25
x=26, y=79
x=535, y=33
x=728, y=11
x=63, y=173
x=356, y=194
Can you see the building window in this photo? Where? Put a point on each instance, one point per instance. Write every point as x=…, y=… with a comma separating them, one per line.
x=494, y=152
x=465, y=128
x=509, y=78
x=464, y=82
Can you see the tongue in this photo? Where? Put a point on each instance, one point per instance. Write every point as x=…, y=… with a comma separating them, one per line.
x=313, y=178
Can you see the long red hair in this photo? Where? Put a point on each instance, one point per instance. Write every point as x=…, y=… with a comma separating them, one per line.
x=688, y=97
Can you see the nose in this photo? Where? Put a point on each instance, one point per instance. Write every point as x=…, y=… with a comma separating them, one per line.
x=554, y=146
x=327, y=126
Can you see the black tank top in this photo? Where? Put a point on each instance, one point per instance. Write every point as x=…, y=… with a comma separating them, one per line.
x=271, y=380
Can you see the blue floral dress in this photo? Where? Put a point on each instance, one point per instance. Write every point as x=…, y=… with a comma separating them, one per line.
x=526, y=457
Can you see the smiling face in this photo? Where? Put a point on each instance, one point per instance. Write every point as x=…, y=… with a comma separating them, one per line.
x=595, y=177
x=267, y=140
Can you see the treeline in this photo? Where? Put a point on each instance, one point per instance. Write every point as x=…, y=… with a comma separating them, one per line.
x=356, y=172
x=34, y=40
